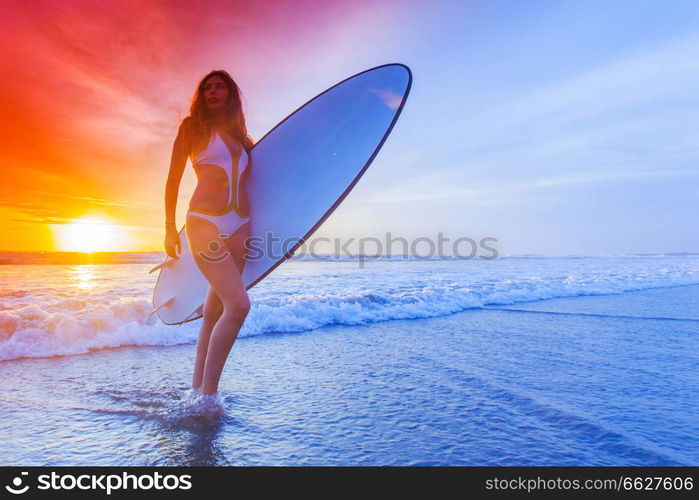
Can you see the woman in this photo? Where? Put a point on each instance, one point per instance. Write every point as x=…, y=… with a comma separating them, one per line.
x=214, y=136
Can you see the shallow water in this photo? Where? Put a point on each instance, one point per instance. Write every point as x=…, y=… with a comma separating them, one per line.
x=579, y=379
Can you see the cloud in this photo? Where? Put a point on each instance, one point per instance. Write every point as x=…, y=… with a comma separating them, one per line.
x=622, y=120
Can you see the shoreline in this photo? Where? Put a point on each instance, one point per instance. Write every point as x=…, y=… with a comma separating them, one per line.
x=479, y=387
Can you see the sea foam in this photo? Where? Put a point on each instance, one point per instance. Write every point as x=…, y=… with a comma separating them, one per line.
x=78, y=309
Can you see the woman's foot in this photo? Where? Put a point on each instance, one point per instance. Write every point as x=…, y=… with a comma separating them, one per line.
x=192, y=395
x=207, y=405
x=197, y=404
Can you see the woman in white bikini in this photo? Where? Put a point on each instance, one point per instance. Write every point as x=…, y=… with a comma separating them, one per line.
x=215, y=137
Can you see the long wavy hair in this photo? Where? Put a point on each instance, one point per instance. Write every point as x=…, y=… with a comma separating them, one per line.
x=198, y=122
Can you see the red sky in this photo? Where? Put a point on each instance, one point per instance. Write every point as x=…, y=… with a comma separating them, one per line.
x=91, y=94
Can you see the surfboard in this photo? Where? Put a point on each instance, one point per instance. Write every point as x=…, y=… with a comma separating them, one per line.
x=300, y=172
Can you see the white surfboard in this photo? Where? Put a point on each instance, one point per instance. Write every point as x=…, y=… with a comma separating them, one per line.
x=300, y=172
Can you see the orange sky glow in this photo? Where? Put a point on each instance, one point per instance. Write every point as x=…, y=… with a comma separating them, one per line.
x=92, y=93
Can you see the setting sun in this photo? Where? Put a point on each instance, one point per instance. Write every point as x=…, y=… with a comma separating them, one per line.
x=86, y=235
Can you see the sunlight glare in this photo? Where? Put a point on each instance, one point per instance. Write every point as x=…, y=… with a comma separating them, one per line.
x=86, y=235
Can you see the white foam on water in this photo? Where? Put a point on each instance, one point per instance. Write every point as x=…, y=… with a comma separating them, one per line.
x=41, y=321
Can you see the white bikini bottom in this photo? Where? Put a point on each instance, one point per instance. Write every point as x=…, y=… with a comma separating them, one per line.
x=227, y=224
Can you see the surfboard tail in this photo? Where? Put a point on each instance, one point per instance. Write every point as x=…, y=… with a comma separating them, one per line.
x=197, y=312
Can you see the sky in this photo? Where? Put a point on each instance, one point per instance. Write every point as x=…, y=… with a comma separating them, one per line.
x=557, y=127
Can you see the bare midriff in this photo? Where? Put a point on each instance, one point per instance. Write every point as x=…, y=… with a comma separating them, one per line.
x=212, y=191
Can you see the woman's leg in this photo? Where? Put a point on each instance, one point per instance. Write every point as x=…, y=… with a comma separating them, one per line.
x=221, y=263
x=213, y=308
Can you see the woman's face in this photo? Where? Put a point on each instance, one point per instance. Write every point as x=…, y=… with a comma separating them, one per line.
x=215, y=93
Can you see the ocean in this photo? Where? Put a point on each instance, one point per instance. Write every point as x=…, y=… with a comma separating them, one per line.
x=520, y=360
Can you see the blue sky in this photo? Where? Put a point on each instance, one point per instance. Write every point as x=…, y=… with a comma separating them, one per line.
x=557, y=127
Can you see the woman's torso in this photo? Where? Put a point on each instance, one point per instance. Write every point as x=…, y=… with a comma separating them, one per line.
x=213, y=190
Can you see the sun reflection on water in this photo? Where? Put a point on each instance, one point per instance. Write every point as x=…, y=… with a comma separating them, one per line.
x=83, y=276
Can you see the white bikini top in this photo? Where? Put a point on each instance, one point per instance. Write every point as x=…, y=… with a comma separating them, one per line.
x=217, y=153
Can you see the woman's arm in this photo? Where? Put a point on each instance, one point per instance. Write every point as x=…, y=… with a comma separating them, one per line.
x=178, y=160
